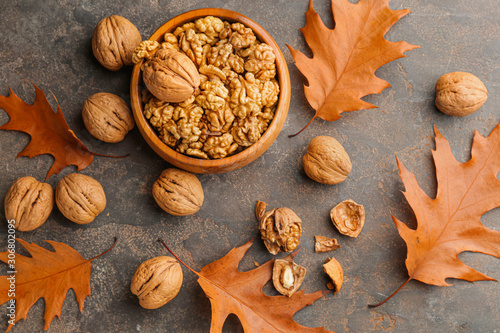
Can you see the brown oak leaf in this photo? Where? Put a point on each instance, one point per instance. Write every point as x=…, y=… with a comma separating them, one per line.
x=49, y=132
x=342, y=69
x=450, y=223
x=240, y=293
x=46, y=274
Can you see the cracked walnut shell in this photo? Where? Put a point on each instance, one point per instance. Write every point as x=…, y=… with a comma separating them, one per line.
x=157, y=281
x=348, y=217
x=80, y=198
x=171, y=76
x=287, y=276
x=107, y=117
x=280, y=228
x=28, y=203
x=459, y=94
x=326, y=161
x=114, y=41
x=325, y=244
x=178, y=192
x=334, y=270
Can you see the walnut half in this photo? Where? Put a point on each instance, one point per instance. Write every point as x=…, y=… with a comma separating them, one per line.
x=348, y=217
x=287, y=276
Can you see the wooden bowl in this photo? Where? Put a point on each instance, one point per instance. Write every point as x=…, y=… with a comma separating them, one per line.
x=228, y=163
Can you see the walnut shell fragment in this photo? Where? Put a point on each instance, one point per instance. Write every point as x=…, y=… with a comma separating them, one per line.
x=334, y=270
x=28, y=203
x=171, y=76
x=280, y=228
x=459, y=94
x=157, y=281
x=80, y=198
x=326, y=161
x=114, y=41
x=178, y=192
x=287, y=276
x=325, y=244
x=107, y=117
x=348, y=217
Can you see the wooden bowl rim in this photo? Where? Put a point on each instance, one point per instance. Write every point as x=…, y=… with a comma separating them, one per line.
x=283, y=79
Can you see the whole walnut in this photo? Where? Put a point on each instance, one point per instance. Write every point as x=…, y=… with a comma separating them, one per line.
x=157, y=281
x=326, y=161
x=459, y=94
x=28, y=203
x=171, y=76
x=114, y=41
x=80, y=198
x=107, y=117
x=178, y=192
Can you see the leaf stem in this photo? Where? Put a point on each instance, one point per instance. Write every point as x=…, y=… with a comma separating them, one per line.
x=388, y=298
x=176, y=257
x=310, y=121
x=111, y=156
x=116, y=239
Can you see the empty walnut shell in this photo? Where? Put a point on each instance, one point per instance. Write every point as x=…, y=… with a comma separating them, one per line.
x=287, y=276
x=325, y=244
x=459, y=94
x=334, y=270
x=171, y=76
x=114, y=41
x=326, y=161
x=28, y=203
x=348, y=217
x=80, y=198
x=107, y=117
x=157, y=281
x=280, y=228
x=178, y=192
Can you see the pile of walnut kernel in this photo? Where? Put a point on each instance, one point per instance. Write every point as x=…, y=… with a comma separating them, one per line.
x=236, y=99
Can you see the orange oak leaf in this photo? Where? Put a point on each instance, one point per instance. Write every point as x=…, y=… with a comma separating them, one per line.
x=49, y=132
x=450, y=223
x=46, y=274
x=240, y=293
x=342, y=69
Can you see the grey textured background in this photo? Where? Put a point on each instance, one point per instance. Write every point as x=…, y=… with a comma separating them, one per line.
x=49, y=43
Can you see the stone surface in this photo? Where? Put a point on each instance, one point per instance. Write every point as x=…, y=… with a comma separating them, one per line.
x=49, y=43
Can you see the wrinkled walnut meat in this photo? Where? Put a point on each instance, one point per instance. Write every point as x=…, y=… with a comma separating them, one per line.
x=334, y=270
x=287, y=276
x=325, y=244
x=157, y=281
x=348, y=217
x=237, y=94
x=28, y=203
x=280, y=228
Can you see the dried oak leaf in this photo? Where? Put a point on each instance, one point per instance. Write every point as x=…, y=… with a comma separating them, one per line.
x=49, y=132
x=342, y=69
x=232, y=291
x=450, y=223
x=46, y=274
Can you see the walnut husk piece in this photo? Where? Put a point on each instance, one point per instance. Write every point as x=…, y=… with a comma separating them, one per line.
x=114, y=41
x=171, y=76
x=178, y=192
x=280, y=228
x=107, y=117
x=80, y=198
x=459, y=94
x=334, y=270
x=157, y=281
x=287, y=276
x=28, y=203
x=348, y=217
x=325, y=244
x=326, y=161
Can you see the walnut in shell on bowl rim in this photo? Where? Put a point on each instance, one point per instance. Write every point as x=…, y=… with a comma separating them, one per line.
x=242, y=158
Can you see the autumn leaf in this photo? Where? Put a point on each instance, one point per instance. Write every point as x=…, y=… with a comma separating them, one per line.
x=342, y=69
x=450, y=223
x=49, y=132
x=232, y=291
x=46, y=274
